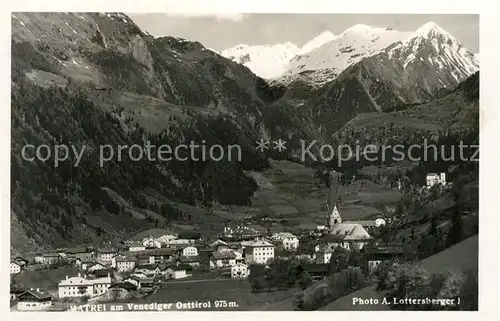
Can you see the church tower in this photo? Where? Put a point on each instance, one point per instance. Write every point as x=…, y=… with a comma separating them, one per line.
x=332, y=210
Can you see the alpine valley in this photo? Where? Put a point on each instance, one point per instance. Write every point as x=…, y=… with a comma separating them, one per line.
x=88, y=79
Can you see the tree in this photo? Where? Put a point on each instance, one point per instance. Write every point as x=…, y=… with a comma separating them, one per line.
x=339, y=259
x=305, y=281
x=452, y=285
x=456, y=232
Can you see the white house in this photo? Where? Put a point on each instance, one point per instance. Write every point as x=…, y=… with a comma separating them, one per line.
x=240, y=270
x=189, y=251
x=151, y=242
x=47, y=258
x=434, y=178
x=105, y=255
x=15, y=267
x=34, y=300
x=290, y=242
x=79, y=286
x=222, y=258
x=176, y=272
x=259, y=252
x=123, y=264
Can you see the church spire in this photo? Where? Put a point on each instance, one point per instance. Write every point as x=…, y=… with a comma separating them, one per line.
x=332, y=211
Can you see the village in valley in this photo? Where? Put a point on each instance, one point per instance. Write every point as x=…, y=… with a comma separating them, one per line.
x=148, y=269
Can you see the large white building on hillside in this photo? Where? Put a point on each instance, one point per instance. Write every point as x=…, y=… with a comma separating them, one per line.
x=259, y=252
x=78, y=286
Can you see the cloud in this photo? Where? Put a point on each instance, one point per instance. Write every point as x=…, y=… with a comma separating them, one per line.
x=204, y=9
x=235, y=17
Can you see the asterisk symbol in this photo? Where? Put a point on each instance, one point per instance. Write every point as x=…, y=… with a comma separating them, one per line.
x=280, y=145
x=262, y=145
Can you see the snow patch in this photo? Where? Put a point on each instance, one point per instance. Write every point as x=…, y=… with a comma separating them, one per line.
x=317, y=42
x=266, y=61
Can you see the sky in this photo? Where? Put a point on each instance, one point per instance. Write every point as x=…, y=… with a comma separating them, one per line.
x=220, y=32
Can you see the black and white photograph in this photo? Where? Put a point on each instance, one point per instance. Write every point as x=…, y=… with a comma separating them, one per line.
x=244, y=162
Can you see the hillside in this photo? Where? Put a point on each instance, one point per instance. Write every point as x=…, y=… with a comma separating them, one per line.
x=462, y=256
x=92, y=79
x=97, y=79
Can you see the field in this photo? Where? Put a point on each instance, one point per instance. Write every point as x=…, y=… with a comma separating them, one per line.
x=43, y=279
x=288, y=190
x=231, y=290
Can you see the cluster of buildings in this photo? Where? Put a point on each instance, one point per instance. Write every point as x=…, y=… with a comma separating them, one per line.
x=142, y=265
x=351, y=235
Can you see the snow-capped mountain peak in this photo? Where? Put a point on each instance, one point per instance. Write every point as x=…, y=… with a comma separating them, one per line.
x=271, y=61
x=266, y=61
x=351, y=46
x=318, y=41
x=432, y=47
x=431, y=29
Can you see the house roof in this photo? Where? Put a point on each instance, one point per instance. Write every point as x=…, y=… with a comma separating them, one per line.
x=224, y=255
x=146, y=267
x=177, y=268
x=259, y=243
x=164, y=266
x=107, y=250
x=37, y=293
x=350, y=231
x=283, y=235
x=50, y=255
x=20, y=258
x=218, y=242
x=124, y=285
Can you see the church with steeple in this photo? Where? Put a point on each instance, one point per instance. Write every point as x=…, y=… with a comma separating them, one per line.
x=332, y=209
x=349, y=235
